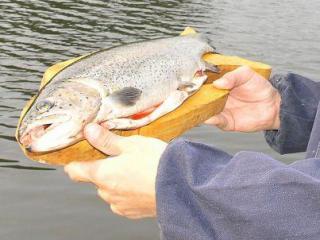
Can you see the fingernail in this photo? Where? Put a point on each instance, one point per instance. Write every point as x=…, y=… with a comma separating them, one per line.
x=110, y=125
x=219, y=82
x=93, y=131
x=66, y=168
x=212, y=120
x=69, y=167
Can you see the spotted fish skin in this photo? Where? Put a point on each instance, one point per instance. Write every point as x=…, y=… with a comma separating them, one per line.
x=111, y=84
x=155, y=67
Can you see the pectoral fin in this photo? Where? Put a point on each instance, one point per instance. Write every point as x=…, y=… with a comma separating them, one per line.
x=211, y=67
x=186, y=86
x=175, y=99
x=127, y=96
x=192, y=87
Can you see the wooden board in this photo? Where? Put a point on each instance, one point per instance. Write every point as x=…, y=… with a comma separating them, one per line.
x=207, y=102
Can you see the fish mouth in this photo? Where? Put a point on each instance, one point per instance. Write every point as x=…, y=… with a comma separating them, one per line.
x=34, y=133
x=50, y=133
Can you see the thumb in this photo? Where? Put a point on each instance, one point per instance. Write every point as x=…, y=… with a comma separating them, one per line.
x=234, y=78
x=104, y=140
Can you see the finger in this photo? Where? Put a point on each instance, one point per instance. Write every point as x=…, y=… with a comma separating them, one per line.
x=115, y=210
x=134, y=217
x=77, y=172
x=234, y=78
x=127, y=213
x=136, y=214
x=103, y=139
x=92, y=171
x=104, y=124
x=215, y=120
x=223, y=121
x=107, y=196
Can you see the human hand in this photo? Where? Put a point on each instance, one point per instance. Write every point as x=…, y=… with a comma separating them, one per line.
x=253, y=103
x=127, y=180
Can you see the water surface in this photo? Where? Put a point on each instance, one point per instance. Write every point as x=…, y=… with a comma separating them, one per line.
x=38, y=201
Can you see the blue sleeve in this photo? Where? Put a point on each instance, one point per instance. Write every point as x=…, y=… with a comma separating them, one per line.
x=299, y=100
x=204, y=193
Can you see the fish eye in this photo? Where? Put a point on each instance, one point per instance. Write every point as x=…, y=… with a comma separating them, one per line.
x=44, y=106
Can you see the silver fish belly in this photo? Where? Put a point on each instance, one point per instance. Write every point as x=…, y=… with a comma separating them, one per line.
x=111, y=85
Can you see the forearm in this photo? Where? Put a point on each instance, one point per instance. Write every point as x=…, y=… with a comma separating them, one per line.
x=204, y=193
x=183, y=171
x=299, y=101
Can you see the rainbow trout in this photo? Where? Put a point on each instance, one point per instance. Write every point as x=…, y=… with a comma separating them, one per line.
x=123, y=87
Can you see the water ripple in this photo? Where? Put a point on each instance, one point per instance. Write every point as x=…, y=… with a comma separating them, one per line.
x=20, y=167
x=36, y=34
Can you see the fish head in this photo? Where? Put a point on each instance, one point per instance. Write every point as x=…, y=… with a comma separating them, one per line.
x=57, y=117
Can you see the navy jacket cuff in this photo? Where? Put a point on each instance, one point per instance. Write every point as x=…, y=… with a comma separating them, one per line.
x=299, y=101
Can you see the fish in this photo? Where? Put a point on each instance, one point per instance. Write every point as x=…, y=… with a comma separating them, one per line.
x=123, y=87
